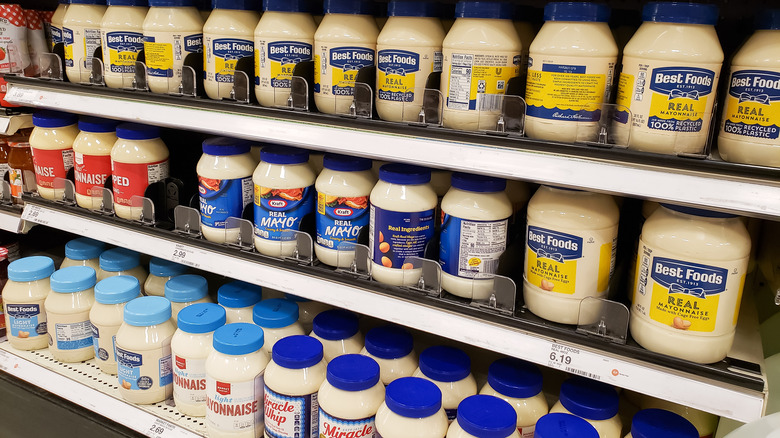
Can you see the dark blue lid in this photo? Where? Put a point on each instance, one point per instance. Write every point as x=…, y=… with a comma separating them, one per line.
x=87, y=2
x=480, y=9
x=445, y=364
x=353, y=372
x=397, y=173
x=73, y=279
x=477, y=183
x=699, y=212
x=486, y=416
x=576, y=11
x=413, y=397
x=412, y=8
x=287, y=5
x=142, y=3
x=515, y=378
x=97, y=124
x=245, y=5
x=275, y=313
x=658, y=423
x=165, y=268
x=235, y=296
x=119, y=259
x=345, y=163
x=30, y=269
x=186, y=288
x=389, y=342
x=297, y=352
x=53, y=119
x=284, y=155
x=84, y=248
x=117, y=289
x=201, y=318
x=137, y=131
x=225, y=146
x=296, y=298
x=238, y=338
x=768, y=19
x=335, y=325
x=360, y=7
x=171, y=3
x=680, y=12
x=589, y=399
x=146, y=311
x=562, y=425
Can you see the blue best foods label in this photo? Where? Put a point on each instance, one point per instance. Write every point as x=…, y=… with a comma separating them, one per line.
x=278, y=211
x=223, y=198
x=26, y=320
x=753, y=105
x=396, y=236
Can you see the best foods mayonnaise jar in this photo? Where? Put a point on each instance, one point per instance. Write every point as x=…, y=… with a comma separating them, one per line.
x=81, y=36
x=107, y=315
x=51, y=143
x=484, y=416
x=83, y=252
x=339, y=333
x=519, y=383
x=412, y=409
x=23, y=297
x=238, y=300
x=659, y=423
x=160, y=271
x=278, y=318
x=92, y=159
x=121, y=34
x=450, y=369
x=595, y=402
x=186, y=290
x=67, y=313
x=392, y=347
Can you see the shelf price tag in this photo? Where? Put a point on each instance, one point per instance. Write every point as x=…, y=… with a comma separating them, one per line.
x=187, y=255
x=35, y=214
x=20, y=95
x=161, y=429
x=571, y=360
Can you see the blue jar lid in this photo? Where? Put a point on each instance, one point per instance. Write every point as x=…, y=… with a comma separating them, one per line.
x=284, y=155
x=142, y=3
x=658, y=423
x=680, y=12
x=389, y=342
x=97, y=124
x=412, y=8
x=445, y=364
x=358, y=7
x=30, y=269
x=119, y=259
x=480, y=9
x=353, y=372
x=589, y=399
x=117, y=289
x=73, y=279
x=397, y=173
x=576, y=11
x=88, y=2
x=768, y=20
x=186, y=288
x=235, y=296
x=486, y=416
x=53, y=119
x=171, y=3
x=345, y=163
x=287, y=5
x=477, y=183
x=201, y=318
x=335, y=325
x=699, y=212
x=275, y=313
x=238, y=338
x=84, y=248
x=296, y=298
x=515, y=378
x=243, y=5
x=297, y=352
x=226, y=146
x=413, y=397
x=243, y=285
x=165, y=268
x=562, y=425
x=137, y=131
x=146, y=311
x=63, y=2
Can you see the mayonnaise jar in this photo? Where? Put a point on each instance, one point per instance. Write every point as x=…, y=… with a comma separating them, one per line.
x=484, y=416
x=476, y=70
x=519, y=383
x=339, y=333
x=107, y=315
x=56, y=22
x=412, y=409
x=160, y=271
x=392, y=347
x=186, y=290
x=560, y=425
x=344, y=43
x=67, y=312
x=121, y=35
x=570, y=73
x=83, y=252
x=307, y=310
x=660, y=423
x=81, y=36
x=92, y=159
x=190, y=346
x=704, y=422
x=408, y=51
x=691, y=271
x=595, y=402
x=450, y=369
x=238, y=300
x=51, y=143
x=224, y=186
x=278, y=318
x=23, y=302
x=343, y=188
x=121, y=261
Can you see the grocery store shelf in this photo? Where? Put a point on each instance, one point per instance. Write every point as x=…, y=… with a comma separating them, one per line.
x=10, y=219
x=10, y=123
x=748, y=190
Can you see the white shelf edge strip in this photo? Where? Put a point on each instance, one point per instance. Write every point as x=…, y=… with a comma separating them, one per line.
x=728, y=401
x=10, y=221
x=646, y=182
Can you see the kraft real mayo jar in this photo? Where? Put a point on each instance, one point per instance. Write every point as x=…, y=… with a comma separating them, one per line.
x=690, y=274
x=344, y=43
x=67, y=313
x=475, y=216
x=560, y=425
x=160, y=271
x=143, y=351
x=750, y=126
x=107, y=315
x=121, y=35
x=292, y=379
x=392, y=347
x=121, y=261
x=350, y=397
x=570, y=72
x=234, y=382
x=412, y=409
x=670, y=75
x=450, y=369
x=173, y=29
x=343, y=188
x=190, y=346
x=339, y=333
x=307, y=310
x=283, y=38
x=83, y=252
x=186, y=290
x=92, y=159
x=51, y=143
x=284, y=194
x=595, y=402
x=81, y=36
x=238, y=300
x=401, y=223
x=227, y=37
x=408, y=51
x=56, y=22
x=23, y=297
x=571, y=240
x=484, y=416
x=476, y=70
x=651, y=423
x=519, y=383
x=139, y=158
x=278, y=318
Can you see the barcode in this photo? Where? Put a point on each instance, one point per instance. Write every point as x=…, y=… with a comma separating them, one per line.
x=490, y=102
x=489, y=266
x=582, y=373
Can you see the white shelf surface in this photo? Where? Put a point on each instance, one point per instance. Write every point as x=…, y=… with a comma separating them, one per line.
x=11, y=221
x=684, y=388
x=9, y=124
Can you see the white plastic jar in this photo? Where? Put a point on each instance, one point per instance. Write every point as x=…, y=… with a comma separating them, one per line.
x=56, y=21
x=83, y=252
x=571, y=240
x=403, y=200
x=307, y=310
x=704, y=422
x=234, y=382
x=484, y=416
x=227, y=37
x=475, y=215
x=339, y=333
x=92, y=159
x=283, y=38
x=239, y=299
x=292, y=379
x=344, y=43
x=408, y=51
x=67, y=313
x=224, y=185
x=284, y=194
x=450, y=369
x=143, y=351
x=571, y=69
x=412, y=409
x=107, y=315
x=649, y=423
x=173, y=29
x=81, y=36
x=190, y=346
x=595, y=402
x=350, y=396
x=122, y=37
x=669, y=79
x=139, y=158
x=23, y=296
x=392, y=347
x=51, y=143
x=160, y=271
x=560, y=425
x=121, y=261
x=519, y=383
x=343, y=188
x=278, y=318
x=476, y=70
x=186, y=290
x=692, y=265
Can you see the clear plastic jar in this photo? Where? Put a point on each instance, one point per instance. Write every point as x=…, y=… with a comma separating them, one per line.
x=92, y=159
x=392, y=347
x=339, y=333
x=121, y=261
x=81, y=36
x=350, y=396
x=239, y=298
x=660, y=423
x=107, y=315
x=186, y=290
x=121, y=34
x=412, y=409
x=560, y=425
x=595, y=402
x=51, y=144
x=519, y=383
x=484, y=416
x=67, y=312
x=450, y=369
x=278, y=318
x=23, y=296
x=83, y=252
x=160, y=271
x=307, y=310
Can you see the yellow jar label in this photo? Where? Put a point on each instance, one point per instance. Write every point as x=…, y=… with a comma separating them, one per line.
x=753, y=106
x=336, y=67
x=477, y=80
x=121, y=50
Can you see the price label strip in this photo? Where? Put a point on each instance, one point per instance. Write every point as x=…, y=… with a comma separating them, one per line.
x=21, y=95
x=582, y=363
x=187, y=255
x=10, y=221
x=35, y=214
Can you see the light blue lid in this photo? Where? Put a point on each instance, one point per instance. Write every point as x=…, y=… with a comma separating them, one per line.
x=84, y=248
x=119, y=259
x=146, y=311
x=238, y=339
x=30, y=269
x=73, y=279
x=201, y=318
x=186, y=288
x=117, y=289
x=275, y=313
x=165, y=268
x=236, y=296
